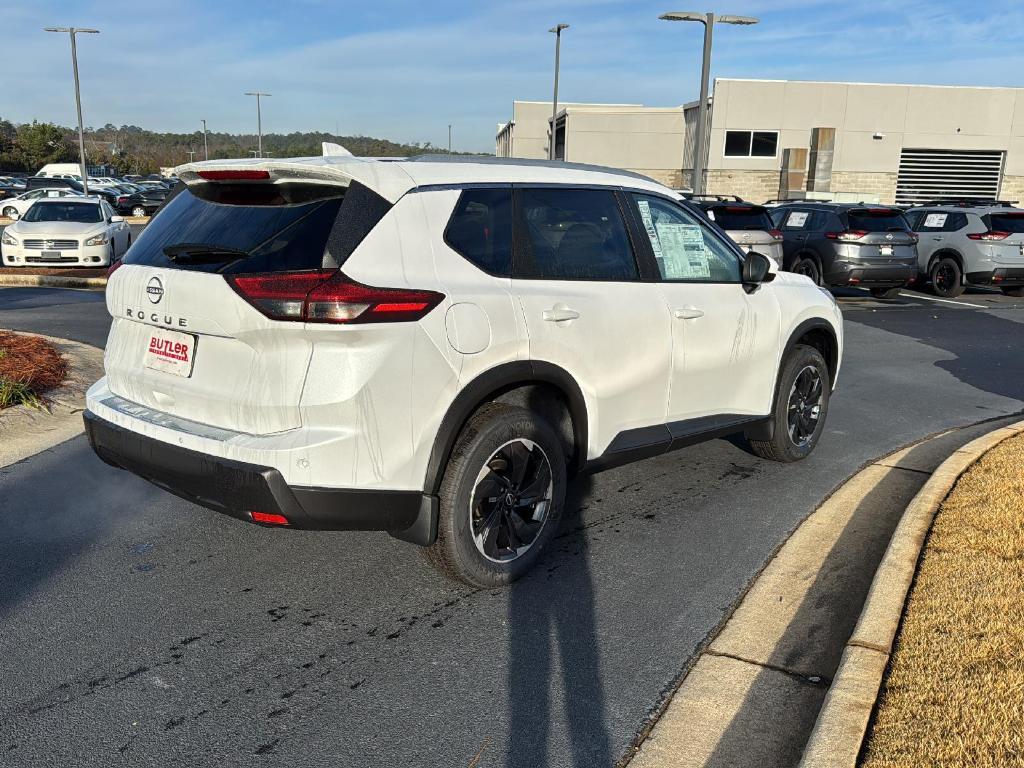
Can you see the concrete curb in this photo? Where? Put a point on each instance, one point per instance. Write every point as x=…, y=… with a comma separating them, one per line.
x=842, y=722
x=52, y=281
x=26, y=431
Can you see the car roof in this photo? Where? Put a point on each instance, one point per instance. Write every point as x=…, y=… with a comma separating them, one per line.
x=981, y=209
x=392, y=178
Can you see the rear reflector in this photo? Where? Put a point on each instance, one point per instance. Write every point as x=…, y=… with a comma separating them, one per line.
x=325, y=296
x=239, y=175
x=268, y=518
x=990, y=235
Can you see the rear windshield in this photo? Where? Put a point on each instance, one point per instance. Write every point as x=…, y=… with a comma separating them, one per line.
x=197, y=234
x=877, y=220
x=740, y=217
x=81, y=213
x=1007, y=222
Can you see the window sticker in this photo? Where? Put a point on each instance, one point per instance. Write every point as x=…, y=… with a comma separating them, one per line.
x=652, y=233
x=935, y=220
x=711, y=215
x=797, y=219
x=684, y=255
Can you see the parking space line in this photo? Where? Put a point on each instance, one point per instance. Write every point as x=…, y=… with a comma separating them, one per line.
x=943, y=301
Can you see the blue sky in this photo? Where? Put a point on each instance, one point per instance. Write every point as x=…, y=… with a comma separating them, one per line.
x=404, y=70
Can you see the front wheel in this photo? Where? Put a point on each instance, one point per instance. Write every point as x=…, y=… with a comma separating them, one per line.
x=885, y=293
x=947, y=278
x=501, y=497
x=801, y=404
x=1017, y=291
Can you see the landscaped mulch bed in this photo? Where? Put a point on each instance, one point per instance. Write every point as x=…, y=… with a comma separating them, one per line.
x=56, y=272
x=29, y=368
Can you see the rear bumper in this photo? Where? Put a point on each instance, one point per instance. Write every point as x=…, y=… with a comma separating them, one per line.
x=237, y=489
x=880, y=275
x=1007, y=276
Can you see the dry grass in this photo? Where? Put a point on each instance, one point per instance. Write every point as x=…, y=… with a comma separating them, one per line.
x=955, y=691
x=56, y=271
x=29, y=367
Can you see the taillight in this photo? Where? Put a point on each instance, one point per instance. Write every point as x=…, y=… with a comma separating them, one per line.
x=238, y=175
x=913, y=236
x=325, y=296
x=776, y=233
x=850, y=234
x=990, y=235
x=114, y=266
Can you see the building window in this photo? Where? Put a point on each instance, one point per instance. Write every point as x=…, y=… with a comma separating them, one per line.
x=751, y=143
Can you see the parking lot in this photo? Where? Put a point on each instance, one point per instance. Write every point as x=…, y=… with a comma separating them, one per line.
x=141, y=628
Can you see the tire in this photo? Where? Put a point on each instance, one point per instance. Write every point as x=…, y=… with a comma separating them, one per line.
x=946, y=278
x=1017, y=291
x=498, y=436
x=138, y=211
x=885, y=293
x=8, y=210
x=788, y=444
x=808, y=268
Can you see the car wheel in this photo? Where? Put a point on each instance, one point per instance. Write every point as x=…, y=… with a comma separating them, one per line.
x=1017, y=291
x=946, y=278
x=885, y=293
x=801, y=405
x=808, y=268
x=138, y=211
x=501, y=497
x=9, y=211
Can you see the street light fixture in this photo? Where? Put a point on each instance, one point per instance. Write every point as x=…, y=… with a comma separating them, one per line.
x=557, y=29
x=259, y=120
x=72, y=31
x=708, y=20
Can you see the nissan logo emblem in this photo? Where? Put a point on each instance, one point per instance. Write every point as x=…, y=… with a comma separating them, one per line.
x=155, y=290
x=888, y=237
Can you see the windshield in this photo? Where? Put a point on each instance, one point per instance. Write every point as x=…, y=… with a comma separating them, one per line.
x=877, y=220
x=82, y=213
x=740, y=217
x=1007, y=222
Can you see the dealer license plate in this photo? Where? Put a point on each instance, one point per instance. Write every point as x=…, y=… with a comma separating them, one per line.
x=171, y=352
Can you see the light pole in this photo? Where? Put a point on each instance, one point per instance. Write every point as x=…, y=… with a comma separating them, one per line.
x=72, y=31
x=206, y=147
x=708, y=20
x=557, y=29
x=449, y=138
x=191, y=155
x=259, y=120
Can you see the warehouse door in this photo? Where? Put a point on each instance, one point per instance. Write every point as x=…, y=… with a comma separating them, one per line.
x=931, y=174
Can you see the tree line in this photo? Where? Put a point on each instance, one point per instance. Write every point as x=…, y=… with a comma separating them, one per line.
x=131, y=149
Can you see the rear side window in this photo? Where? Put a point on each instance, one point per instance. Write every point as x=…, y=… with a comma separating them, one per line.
x=1006, y=222
x=740, y=217
x=796, y=221
x=481, y=229
x=876, y=220
x=936, y=221
x=234, y=233
x=573, y=234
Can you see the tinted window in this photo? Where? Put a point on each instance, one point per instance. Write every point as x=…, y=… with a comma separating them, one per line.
x=481, y=229
x=876, y=220
x=740, y=217
x=764, y=144
x=751, y=143
x=573, y=234
x=796, y=221
x=82, y=213
x=254, y=233
x=1007, y=222
x=737, y=143
x=684, y=249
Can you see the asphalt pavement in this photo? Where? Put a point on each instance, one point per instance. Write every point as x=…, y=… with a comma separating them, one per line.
x=140, y=629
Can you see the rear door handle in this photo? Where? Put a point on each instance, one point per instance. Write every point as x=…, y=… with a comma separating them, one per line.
x=689, y=313
x=560, y=313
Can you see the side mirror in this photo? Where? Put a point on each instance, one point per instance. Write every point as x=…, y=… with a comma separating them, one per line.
x=15, y=216
x=116, y=219
x=757, y=269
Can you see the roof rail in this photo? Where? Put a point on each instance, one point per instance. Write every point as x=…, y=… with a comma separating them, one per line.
x=715, y=198
x=776, y=200
x=969, y=202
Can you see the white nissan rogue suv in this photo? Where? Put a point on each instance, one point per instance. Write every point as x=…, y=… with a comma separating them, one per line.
x=433, y=348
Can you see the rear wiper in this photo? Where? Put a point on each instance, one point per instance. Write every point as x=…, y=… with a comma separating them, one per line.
x=201, y=253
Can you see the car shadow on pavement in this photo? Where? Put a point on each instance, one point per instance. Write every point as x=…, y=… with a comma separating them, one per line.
x=555, y=657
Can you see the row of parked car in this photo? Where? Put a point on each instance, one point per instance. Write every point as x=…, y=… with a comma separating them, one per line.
x=946, y=244
x=140, y=197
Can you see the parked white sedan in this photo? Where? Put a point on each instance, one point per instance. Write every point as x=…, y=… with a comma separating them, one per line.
x=20, y=204
x=69, y=231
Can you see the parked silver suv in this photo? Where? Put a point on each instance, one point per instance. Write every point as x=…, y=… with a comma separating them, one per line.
x=747, y=224
x=970, y=242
